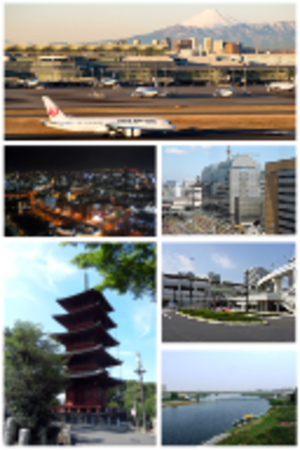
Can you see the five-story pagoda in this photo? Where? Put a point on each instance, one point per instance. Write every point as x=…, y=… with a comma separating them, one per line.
x=86, y=340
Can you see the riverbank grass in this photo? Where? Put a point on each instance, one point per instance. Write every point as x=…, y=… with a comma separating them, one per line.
x=277, y=427
x=221, y=316
x=177, y=403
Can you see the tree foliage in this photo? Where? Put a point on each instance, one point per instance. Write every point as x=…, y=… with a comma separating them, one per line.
x=34, y=373
x=174, y=396
x=124, y=267
x=128, y=396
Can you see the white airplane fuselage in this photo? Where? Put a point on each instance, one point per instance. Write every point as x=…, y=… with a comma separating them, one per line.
x=104, y=125
x=281, y=86
x=127, y=126
x=145, y=92
x=109, y=82
x=223, y=93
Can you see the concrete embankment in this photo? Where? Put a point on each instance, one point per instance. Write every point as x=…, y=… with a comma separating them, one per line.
x=216, y=439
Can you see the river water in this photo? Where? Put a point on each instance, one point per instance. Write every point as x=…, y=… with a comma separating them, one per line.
x=197, y=423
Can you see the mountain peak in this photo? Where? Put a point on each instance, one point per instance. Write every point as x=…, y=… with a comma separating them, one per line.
x=210, y=18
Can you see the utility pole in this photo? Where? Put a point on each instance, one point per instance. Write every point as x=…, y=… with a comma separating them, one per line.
x=140, y=372
x=191, y=293
x=247, y=290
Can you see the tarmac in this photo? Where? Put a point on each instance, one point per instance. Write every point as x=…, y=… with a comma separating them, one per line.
x=176, y=328
x=88, y=97
x=193, y=109
x=89, y=435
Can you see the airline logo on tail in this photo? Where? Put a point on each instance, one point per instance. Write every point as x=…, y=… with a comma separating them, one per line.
x=54, y=111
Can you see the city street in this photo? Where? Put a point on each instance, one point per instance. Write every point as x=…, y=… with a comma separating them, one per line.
x=180, y=329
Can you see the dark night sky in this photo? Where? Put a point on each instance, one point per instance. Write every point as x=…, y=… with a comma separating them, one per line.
x=26, y=158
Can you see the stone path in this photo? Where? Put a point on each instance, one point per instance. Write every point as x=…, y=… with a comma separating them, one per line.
x=90, y=435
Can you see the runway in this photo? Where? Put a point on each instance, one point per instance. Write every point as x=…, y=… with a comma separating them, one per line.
x=194, y=111
x=246, y=134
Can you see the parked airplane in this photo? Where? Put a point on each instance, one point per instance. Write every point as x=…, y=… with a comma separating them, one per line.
x=28, y=82
x=150, y=92
x=279, y=86
x=144, y=91
x=109, y=82
x=223, y=92
x=113, y=126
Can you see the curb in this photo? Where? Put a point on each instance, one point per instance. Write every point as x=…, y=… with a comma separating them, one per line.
x=216, y=322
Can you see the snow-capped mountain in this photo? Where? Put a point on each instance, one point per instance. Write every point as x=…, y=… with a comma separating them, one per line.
x=217, y=25
x=210, y=18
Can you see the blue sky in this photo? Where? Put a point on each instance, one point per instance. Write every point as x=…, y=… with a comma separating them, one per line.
x=187, y=161
x=75, y=22
x=229, y=260
x=36, y=274
x=229, y=370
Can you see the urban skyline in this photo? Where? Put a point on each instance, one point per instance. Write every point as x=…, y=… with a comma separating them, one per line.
x=36, y=22
x=186, y=161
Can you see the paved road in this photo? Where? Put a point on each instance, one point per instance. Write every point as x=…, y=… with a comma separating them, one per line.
x=89, y=435
x=179, y=329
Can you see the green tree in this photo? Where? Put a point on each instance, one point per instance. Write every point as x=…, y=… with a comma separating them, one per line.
x=34, y=374
x=174, y=396
x=150, y=409
x=128, y=395
x=122, y=267
x=293, y=397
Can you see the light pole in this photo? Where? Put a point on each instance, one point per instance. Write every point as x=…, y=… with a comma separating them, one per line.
x=247, y=290
x=191, y=294
x=140, y=372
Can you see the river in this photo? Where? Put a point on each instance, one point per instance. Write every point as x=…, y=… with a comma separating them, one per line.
x=197, y=423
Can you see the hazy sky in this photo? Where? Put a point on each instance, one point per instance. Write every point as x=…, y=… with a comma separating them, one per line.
x=77, y=22
x=230, y=260
x=36, y=274
x=229, y=370
x=188, y=161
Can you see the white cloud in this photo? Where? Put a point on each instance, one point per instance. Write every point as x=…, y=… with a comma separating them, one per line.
x=144, y=316
x=28, y=265
x=222, y=260
x=176, y=151
x=173, y=263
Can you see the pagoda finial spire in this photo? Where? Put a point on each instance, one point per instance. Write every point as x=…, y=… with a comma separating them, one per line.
x=86, y=282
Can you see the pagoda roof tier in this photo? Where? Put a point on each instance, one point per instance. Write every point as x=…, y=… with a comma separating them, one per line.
x=97, y=376
x=74, y=318
x=95, y=354
x=86, y=298
x=96, y=331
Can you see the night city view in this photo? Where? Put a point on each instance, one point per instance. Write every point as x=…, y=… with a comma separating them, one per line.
x=80, y=191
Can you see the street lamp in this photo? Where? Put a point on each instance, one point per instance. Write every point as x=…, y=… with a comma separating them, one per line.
x=140, y=372
x=191, y=294
x=247, y=290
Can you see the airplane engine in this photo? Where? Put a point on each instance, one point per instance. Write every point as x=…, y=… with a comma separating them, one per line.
x=102, y=129
x=132, y=132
